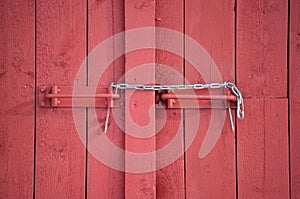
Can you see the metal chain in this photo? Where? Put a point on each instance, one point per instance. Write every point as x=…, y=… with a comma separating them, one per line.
x=230, y=85
x=240, y=101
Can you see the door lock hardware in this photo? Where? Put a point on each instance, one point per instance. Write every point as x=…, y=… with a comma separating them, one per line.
x=166, y=97
x=61, y=96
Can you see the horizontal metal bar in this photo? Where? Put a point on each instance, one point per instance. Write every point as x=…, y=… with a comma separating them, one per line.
x=168, y=96
x=63, y=97
x=104, y=95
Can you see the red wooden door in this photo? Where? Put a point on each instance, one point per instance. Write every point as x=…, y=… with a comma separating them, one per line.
x=254, y=44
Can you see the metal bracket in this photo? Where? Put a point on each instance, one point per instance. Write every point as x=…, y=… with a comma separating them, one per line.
x=61, y=96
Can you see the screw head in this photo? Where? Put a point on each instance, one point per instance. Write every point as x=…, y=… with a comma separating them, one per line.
x=42, y=104
x=42, y=89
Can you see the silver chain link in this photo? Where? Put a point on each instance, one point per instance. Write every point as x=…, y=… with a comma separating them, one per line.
x=240, y=102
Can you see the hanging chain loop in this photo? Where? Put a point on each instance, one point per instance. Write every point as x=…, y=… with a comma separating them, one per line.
x=240, y=101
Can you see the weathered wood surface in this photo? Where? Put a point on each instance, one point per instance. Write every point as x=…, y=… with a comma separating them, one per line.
x=60, y=50
x=212, y=26
x=170, y=181
x=294, y=93
x=262, y=48
x=105, y=18
x=17, y=99
x=252, y=163
x=139, y=14
x=263, y=170
x=262, y=151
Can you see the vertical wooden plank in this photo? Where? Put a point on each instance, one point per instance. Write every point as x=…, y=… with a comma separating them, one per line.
x=17, y=99
x=294, y=93
x=263, y=150
x=138, y=14
x=262, y=47
x=105, y=18
x=212, y=26
x=61, y=48
x=262, y=72
x=169, y=180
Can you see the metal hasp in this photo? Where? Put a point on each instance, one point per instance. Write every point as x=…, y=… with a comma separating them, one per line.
x=166, y=97
x=167, y=93
x=61, y=96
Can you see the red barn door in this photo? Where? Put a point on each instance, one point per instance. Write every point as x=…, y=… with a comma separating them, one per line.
x=53, y=49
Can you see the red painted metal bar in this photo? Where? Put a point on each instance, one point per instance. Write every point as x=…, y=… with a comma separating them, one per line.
x=198, y=97
x=104, y=95
x=56, y=96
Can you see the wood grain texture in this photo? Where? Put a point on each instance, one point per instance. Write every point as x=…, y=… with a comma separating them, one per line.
x=212, y=26
x=170, y=180
x=138, y=14
x=294, y=93
x=105, y=19
x=262, y=47
x=263, y=150
x=262, y=72
x=262, y=168
x=60, y=49
x=17, y=99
